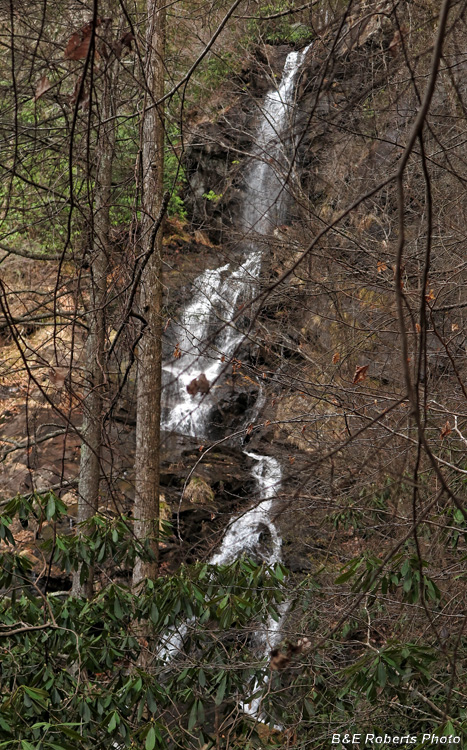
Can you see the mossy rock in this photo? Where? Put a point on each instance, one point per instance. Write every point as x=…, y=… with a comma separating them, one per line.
x=199, y=492
x=165, y=512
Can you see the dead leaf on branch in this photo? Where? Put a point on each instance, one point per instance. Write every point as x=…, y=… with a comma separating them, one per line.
x=43, y=85
x=360, y=374
x=79, y=42
x=199, y=385
x=447, y=429
x=336, y=358
x=80, y=95
x=125, y=41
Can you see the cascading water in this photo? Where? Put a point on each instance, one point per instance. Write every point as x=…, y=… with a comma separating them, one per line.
x=247, y=532
x=207, y=338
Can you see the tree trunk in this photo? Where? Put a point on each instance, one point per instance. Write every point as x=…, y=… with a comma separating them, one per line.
x=89, y=473
x=146, y=507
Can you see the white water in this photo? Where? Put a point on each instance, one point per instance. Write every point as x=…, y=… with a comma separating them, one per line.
x=244, y=535
x=247, y=533
x=208, y=337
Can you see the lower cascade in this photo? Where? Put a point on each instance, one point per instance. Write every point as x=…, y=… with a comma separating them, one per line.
x=208, y=336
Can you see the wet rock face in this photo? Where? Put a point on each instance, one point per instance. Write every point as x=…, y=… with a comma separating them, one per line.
x=224, y=469
x=218, y=488
x=216, y=152
x=230, y=411
x=207, y=166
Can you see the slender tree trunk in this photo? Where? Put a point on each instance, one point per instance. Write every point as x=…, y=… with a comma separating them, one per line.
x=146, y=507
x=89, y=473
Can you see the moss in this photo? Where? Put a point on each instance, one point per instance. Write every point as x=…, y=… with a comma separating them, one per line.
x=199, y=492
x=165, y=512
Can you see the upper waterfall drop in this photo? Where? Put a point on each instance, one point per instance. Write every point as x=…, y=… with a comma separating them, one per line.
x=207, y=334
x=265, y=203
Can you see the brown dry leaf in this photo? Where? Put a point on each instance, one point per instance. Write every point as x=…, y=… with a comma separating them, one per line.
x=430, y=296
x=177, y=352
x=78, y=44
x=267, y=423
x=25, y=536
x=447, y=429
x=278, y=660
x=198, y=385
x=454, y=327
x=381, y=266
x=336, y=358
x=249, y=429
x=360, y=374
x=418, y=327
x=124, y=41
x=43, y=85
x=80, y=94
x=127, y=39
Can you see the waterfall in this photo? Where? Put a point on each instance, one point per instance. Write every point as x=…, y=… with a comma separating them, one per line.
x=207, y=338
x=254, y=532
x=206, y=334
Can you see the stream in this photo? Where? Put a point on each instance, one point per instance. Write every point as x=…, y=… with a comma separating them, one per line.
x=208, y=338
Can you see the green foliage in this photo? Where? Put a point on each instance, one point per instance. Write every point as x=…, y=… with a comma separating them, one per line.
x=392, y=669
x=456, y=526
x=70, y=674
x=212, y=196
x=404, y=574
x=214, y=71
x=92, y=654
x=347, y=517
x=282, y=30
x=217, y=68
x=174, y=173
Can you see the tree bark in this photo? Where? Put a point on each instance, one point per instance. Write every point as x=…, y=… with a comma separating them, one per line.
x=89, y=473
x=146, y=506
